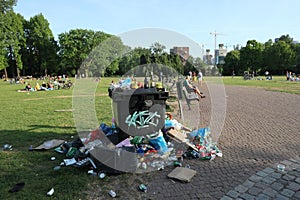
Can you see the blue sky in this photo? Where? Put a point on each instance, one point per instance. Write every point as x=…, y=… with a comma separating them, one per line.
x=237, y=21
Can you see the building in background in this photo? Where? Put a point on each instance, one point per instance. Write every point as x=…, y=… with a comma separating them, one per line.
x=220, y=54
x=183, y=52
x=208, y=58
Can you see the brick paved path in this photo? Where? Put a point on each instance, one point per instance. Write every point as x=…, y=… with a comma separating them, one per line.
x=261, y=128
x=271, y=183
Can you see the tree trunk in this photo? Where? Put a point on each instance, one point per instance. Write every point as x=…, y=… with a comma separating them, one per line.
x=18, y=72
x=5, y=72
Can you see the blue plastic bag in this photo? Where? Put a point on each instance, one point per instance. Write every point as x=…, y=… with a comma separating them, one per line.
x=159, y=144
x=106, y=129
x=202, y=132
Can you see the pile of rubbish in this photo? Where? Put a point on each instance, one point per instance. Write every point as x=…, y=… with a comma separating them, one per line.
x=146, y=153
x=167, y=147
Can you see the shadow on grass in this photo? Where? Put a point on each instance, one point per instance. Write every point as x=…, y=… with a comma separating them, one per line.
x=23, y=139
x=35, y=168
x=36, y=126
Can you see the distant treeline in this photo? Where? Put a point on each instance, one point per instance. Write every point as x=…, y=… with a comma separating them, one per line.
x=28, y=48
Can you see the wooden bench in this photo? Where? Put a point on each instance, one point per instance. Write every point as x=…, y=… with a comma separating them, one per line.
x=192, y=96
x=184, y=94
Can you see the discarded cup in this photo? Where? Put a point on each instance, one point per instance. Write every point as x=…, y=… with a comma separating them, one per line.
x=161, y=167
x=50, y=192
x=219, y=154
x=112, y=193
x=213, y=156
x=57, y=168
x=101, y=175
x=143, y=188
x=53, y=158
x=280, y=167
x=92, y=172
x=144, y=165
x=7, y=147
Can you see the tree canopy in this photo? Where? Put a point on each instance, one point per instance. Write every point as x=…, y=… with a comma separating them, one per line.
x=28, y=47
x=277, y=57
x=75, y=47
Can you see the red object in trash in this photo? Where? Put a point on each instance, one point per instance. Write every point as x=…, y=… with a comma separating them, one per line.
x=169, y=115
x=152, y=151
x=202, y=154
x=95, y=134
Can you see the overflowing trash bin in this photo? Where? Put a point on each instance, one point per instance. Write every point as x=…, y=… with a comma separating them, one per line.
x=139, y=111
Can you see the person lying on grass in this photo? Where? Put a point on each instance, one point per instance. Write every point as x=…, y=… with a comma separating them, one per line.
x=27, y=88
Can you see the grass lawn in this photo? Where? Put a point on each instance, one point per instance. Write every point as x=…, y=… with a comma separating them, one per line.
x=31, y=118
x=278, y=84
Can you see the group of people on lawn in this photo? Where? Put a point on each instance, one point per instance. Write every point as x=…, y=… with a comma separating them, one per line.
x=45, y=86
x=53, y=83
x=292, y=76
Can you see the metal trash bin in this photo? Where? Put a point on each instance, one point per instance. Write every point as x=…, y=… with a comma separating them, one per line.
x=115, y=161
x=139, y=111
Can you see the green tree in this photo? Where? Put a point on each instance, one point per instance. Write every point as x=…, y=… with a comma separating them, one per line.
x=177, y=63
x=16, y=41
x=232, y=63
x=251, y=56
x=286, y=38
x=133, y=58
x=5, y=7
x=189, y=65
x=75, y=47
x=279, y=57
x=104, y=59
x=157, y=48
x=40, y=53
x=297, y=51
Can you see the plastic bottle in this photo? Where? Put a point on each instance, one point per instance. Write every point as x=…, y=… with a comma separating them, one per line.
x=143, y=188
x=113, y=126
x=112, y=193
x=144, y=165
x=195, y=154
x=177, y=164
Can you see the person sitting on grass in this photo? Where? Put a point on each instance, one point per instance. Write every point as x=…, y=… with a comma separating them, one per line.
x=27, y=88
x=37, y=87
x=190, y=88
x=49, y=86
x=44, y=86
